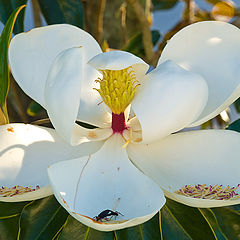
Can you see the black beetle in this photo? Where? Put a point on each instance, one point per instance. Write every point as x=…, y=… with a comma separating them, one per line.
x=107, y=213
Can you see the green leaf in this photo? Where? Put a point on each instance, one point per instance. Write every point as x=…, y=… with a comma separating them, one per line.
x=213, y=223
x=135, y=44
x=9, y=228
x=229, y=221
x=8, y=209
x=147, y=231
x=73, y=229
x=63, y=11
x=34, y=109
x=4, y=70
x=235, y=126
x=163, y=4
x=237, y=105
x=9, y=219
x=7, y=7
x=41, y=219
x=189, y=219
x=171, y=228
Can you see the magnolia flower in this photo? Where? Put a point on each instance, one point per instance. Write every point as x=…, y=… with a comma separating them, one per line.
x=117, y=174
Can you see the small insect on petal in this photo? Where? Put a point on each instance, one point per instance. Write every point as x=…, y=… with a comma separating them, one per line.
x=107, y=215
x=16, y=190
x=203, y=191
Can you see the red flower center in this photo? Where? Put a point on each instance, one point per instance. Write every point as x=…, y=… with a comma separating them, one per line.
x=118, y=123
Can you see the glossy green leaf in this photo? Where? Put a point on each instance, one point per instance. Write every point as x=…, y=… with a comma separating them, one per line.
x=7, y=7
x=8, y=209
x=235, y=126
x=163, y=4
x=229, y=220
x=63, y=11
x=147, y=231
x=34, y=109
x=192, y=222
x=4, y=70
x=171, y=228
x=75, y=230
x=135, y=44
x=41, y=219
x=9, y=228
x=213, y=223
x=9, y=219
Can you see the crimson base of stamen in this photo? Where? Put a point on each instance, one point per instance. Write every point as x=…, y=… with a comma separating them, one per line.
x=118, y=123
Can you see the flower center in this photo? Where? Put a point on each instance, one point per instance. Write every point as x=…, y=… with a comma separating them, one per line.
x=117, y=88
x=118, y=123
x=16, y=190
x=209, y=192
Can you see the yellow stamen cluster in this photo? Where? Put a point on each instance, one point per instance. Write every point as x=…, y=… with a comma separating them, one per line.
x=16, y=190
x=209, y=192
x=117, y=88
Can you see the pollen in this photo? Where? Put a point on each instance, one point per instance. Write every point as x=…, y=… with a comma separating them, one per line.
x=217, y=192
x=117, y=88
x=16, y=190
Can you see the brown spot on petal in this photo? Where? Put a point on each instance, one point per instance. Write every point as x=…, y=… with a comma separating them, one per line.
x=64, y=201
x=10, y=129
x=138, y=140
x=92, y=135
x=118, y=168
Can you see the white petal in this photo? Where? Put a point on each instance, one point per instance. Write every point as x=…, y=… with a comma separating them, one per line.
x=117, y=60
x=81, y=134
x=25, y=153
x=67, y=91
x=63, y=89
x=198, y=157
x=106, y=180
x=32, y=53
x=168, y=99
x=211, y=49
x=134, y=124
x=92, y=110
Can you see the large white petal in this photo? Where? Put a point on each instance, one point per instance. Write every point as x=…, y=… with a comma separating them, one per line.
x=25, y=153
x=168, y=100
x=117, y=60
x=211, y=49
x=197, y=157
x=106, y=180
x=32, y=53
x=65, y=93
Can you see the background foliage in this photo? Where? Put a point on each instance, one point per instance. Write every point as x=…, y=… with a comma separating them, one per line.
x=45, y=219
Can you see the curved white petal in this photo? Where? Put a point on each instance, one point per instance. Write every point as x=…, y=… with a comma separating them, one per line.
x=198, y=157
x=67, y=92
x=168, y=100
x=32, y=53
x=81, y=134
x=211, y=49
x=25, y=153
x=63, y=89
x=134, y=124
x=106, y=180
x=117, y=60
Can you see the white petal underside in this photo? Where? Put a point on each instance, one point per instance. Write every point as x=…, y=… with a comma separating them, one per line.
x=198, y=157
x=106, y=180
x=168, y=100
x=31, y=54
x=25, y=153
x=211, y=49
